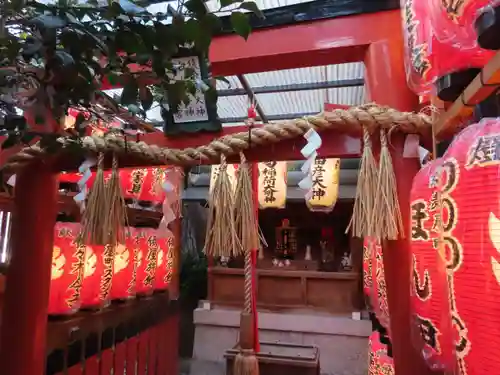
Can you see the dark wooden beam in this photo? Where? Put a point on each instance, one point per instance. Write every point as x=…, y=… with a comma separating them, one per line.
x=295, y=87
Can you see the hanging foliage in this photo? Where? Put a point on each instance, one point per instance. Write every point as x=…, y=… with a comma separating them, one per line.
x=58, y=55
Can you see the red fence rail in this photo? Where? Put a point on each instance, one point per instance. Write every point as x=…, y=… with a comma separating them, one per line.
x=137, y=337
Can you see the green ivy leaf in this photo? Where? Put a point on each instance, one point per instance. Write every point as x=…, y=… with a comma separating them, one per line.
x=226, y=3
x=27, y=137
x=146, y=97
x=241, y=24
x=113, y=79
x=252, y=7
x=48, y=21
x=130, y=92
x=197, y=7
x=12, y=140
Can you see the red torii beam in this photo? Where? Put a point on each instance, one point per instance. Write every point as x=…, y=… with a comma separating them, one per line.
x=374, y=38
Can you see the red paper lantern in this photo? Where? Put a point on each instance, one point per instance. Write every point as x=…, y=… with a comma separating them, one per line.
x=379, y=362
x=431, y=308
x=453, y=21
x=379, y=295
x=123, y=286
x=165, y=261
x=436, y=44
x=472, y=238
x=98, y=276
x=133, y=182
x=67, y=270
x=147, y=258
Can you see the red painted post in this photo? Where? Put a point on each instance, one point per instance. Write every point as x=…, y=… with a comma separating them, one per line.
x=386, y=85
x=24, y=320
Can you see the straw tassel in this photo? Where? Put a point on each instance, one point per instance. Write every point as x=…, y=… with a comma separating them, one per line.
x=221, y=239
x=246, y=226
x=94, y=217
x=117, y=208
x=387, y=219
x=361, y=223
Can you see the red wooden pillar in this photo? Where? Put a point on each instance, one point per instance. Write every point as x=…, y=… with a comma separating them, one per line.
x=386, y=85
x=24, y=318
x=255, y=196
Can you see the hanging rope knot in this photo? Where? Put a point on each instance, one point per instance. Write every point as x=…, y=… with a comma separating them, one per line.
x=223, y=163
x=366, y=137
x=383, y=138
x=243, y=159
x=114, y=164
x=100, y=159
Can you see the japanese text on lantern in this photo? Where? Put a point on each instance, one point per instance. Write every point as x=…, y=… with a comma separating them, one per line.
x=451, y=250
x=367, y=260
x=325, y=184
x=188, y=68
x=381, y=285
x=77, y=269
x=454, y=8
x=107, y=277
x=429, y=333
x=151, y=261
x=484, y=152
x=272, y=184
x=419, y=216
x=170, y=260
x=214, y=173
x=418, y=52
x=158, y=178
x=138, y=176
x=137, y=264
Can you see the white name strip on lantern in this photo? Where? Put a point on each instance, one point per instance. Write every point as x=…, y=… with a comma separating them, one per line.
x=324, y=190
x=272, y=184
x=231, y=172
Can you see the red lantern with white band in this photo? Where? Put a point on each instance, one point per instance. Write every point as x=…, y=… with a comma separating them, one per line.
x=68, y=257
x=123, y=286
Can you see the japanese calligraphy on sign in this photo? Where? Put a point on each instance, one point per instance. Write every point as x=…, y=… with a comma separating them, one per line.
x=324, y=191
x=272, y=184
x=196, y=109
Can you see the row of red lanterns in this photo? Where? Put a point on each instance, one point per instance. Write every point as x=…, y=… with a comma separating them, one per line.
x=89, y=277
x=144, y=184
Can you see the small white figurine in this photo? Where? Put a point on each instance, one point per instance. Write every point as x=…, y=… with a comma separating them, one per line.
x=346, y=261
x=275, y=262
x=308, y=253
x=287, y=262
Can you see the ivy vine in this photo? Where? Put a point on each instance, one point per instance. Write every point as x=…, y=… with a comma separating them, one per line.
x=58, y=56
